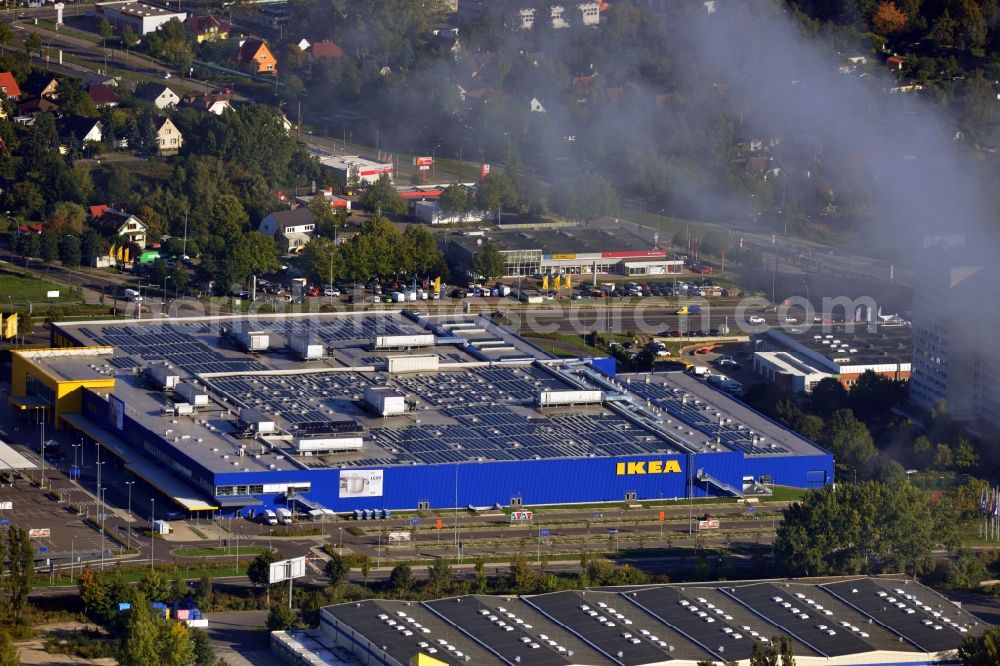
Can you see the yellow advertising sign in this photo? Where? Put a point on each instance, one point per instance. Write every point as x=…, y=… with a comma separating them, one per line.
x=648, y=467
x=564, y=256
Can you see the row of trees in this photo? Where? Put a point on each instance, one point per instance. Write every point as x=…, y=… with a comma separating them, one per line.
x=378, y=250
x=864, y=528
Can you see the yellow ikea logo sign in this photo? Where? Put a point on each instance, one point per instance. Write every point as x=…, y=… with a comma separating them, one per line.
x=650, y=467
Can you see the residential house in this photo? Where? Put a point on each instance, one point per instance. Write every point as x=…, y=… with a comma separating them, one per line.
x=8, y=86
x=208, y=102
x=326, y=49
x=292, y=229
x=158, y=95
x=28, y=110
x=168, y=138
x=80, y=129
x=254, y=57
x=207, y=28
x=894, y=63
x=536, y=106
x=41, y=84
x=114, y=222
x=102, y=95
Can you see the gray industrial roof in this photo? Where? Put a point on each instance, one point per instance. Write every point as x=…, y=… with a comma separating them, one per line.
x=603, y=236
x=846, y=344
x=825, y=618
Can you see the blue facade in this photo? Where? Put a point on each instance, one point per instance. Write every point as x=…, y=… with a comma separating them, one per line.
x=549, y=481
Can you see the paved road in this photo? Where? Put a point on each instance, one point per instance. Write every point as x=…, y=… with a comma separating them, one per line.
x=237, y=638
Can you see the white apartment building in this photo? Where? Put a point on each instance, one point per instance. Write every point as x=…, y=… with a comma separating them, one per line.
x=955, y=355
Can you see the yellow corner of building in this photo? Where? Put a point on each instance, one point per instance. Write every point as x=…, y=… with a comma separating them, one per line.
x=421, y=659
x=64, y=390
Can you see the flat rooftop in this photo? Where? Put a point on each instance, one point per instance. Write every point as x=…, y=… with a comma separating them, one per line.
x=708, y=419
x=471, y=395
x=844, y=344
x=603, y=236
x=688, y=622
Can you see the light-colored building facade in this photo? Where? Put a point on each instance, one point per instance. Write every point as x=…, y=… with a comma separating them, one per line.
x=293, y=229
x=956, y=361
x=169, y=138
x=142, y=17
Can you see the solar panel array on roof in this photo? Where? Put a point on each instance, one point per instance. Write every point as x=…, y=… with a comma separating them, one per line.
x=490, y=434
x=328, y=427
x=168, y=343
x=705, y=418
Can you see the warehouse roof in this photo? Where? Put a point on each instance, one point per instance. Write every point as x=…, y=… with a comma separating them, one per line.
x=601, y=236
x=848, y=344
x=825, y=618
x=472, y=395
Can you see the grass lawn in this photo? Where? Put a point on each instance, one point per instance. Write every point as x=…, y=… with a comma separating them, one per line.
x=785, y=494
x=216, y=551
x=20, y=289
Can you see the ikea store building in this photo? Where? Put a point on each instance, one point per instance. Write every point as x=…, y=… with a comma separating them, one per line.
x=393, y=410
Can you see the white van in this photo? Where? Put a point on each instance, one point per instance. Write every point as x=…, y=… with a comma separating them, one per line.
x=270, y=517
x=132, y=295
x=285, y=516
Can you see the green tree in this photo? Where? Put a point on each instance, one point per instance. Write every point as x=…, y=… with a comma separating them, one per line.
x=965, y=571
x=176, y=646
x=481, y=579
x=522, y=577
x=965, y=457
x=321, y=260
x=943, y=459
x=106, y=32
x=155, y=585
x=204, y=655
x=422, y=250
x=22, y=570
x=129, y=38
x=381, y=197
x=850, y=442
x=6, y=35
x=366, y=568
x=69, y=251
x=336, y=570
x=863, y=528
x=67, y=217
x=827, y=397
x=259, y=571
x=280, y=617
x=141, y=644
x=250, y=254
x=323, y=216
x=981, y=650
x=439, y=575
x=230, y=218
x=49, y=247
x=93, y=592
x=497, y=190
x=401, y=579
x=455, y=202
x=489, y=262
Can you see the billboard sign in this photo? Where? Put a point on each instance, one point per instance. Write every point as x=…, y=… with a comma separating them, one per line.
x=633, y=254
x=399, y=537
x=52, y=294
x=39, y=533
x=484, y=171
x=6, y=506
x=423, y=163
x=520, y=516
x=360, y=483
x=711, y=524
x=117, y=414
x=285, y=569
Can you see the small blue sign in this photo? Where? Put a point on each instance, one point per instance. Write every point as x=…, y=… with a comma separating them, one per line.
x=414, y=521
x=4, y=521
x=598, y=515
x=751, y=509
x=43, y=549
x=612, y=531
x=544, y=532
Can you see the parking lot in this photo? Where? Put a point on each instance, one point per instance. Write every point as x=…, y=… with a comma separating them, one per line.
x=68, y=533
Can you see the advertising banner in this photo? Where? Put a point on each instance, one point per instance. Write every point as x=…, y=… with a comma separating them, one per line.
x=39, y=533
x=520, y=516
x=360, y=483
x=708, y=524
x=399, y=537
x=117, y=407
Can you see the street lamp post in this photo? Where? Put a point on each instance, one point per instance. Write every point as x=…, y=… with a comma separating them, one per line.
x=152, y=536
x=433, y=153
x=129, y=526
x=41, y=447
x=100, y=494
x=164, y=302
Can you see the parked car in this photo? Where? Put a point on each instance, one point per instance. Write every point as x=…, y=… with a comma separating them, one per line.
x=756, y=320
